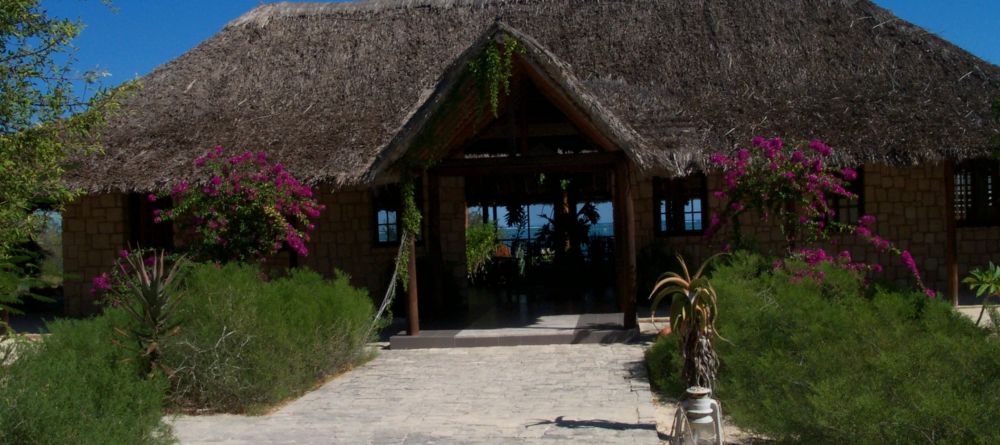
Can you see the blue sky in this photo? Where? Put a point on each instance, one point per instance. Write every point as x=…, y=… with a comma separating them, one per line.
x=142, y=34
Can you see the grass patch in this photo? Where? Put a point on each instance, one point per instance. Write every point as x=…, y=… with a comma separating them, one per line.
x=833, y=363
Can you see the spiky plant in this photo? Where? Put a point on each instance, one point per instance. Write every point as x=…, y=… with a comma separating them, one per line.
x=149, y=299
x=693, y=311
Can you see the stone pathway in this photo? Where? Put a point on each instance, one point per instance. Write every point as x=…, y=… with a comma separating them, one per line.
x=580, y=394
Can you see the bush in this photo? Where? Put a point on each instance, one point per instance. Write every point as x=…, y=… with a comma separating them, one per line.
x=77, y=387
x=830, y=362
x=246, y=343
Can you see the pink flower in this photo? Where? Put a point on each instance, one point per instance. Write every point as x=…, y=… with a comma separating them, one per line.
x=180, y=188
x=719, y=194
x=909, y=262
x=100, y=283
x=123, y=253
x=151, y=198
x=200, y=161
x=819, y=147
x=758, y=141
x=849, y=174
x=866, y=221
x=863, y=231
x=719, y=159
x=737, y=206
x=877, y=268
x=930, y=293
x=743, y=154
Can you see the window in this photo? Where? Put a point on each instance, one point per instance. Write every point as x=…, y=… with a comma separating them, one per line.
x=143, y=231
x=976, y=193
x=848, y=211
x=387, y=203
x=680, y=204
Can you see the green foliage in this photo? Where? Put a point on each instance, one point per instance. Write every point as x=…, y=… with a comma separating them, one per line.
x=985, y=282
x=246, y=344
x=693, y=310
x=41, y=122
x=824, y=363
x=77, y=387
x=411, y=229
x=481, y=244
x=492, y=70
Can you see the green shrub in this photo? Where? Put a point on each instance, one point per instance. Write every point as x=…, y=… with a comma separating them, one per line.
x=830, y=362
x=77, y=387
x=245, y=343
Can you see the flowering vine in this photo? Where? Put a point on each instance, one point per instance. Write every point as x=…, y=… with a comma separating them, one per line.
x=794, y=186
x=247, y=210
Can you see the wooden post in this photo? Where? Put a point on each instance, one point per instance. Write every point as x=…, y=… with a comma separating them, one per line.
x=951, y=244
x=624, y=209
x=412, y=315
x=434, y=252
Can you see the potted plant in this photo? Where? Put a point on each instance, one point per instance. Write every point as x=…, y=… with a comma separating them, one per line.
x=985, y=282
x=693, y=311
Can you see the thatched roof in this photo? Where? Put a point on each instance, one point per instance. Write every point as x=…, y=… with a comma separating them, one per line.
x=328, y=89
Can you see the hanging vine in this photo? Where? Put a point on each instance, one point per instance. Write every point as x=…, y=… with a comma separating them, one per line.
x=492, y=70
x=411, y=228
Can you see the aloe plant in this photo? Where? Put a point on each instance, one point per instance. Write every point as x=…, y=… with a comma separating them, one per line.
x=985, y=282
x=149, y=299
x=693, y=311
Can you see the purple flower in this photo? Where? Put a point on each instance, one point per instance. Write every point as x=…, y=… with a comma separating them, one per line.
x=216, y=180
x=819, y=147
x=719, y=159
x=151, y=198
x=743, y=154
x=737, y=206
x=849, y=174
x=863, y=231
x=866, y=221
x=200, y=161
x=123, y=253
x=758, y=141
x=100, y=283
x=180, y=188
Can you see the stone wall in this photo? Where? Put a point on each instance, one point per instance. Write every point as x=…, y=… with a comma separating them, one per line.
x=93, y=232
x=344, y=240
x=908, y=202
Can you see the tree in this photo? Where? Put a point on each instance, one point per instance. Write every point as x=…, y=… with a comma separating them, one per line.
x=42, y=123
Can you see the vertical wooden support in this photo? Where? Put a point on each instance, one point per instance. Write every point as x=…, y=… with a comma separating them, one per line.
x=625, y=246
x=951, y=244
x=435, y=255
x=412, y=314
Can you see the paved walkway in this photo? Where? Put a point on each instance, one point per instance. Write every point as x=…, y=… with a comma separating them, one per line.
x=580, y=394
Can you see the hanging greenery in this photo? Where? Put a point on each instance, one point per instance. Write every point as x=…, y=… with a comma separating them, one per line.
x=411, y=228
x=492, y=69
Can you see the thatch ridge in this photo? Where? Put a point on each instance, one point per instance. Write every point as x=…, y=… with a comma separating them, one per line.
x=327, y=88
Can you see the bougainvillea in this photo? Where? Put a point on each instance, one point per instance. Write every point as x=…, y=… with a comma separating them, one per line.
x=794, y=187
x=248, y=209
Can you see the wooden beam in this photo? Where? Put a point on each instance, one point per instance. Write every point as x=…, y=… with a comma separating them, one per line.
x=413, y=313
x=625, y=246
x=527, y=164
x=530, y=131
x=951, y=243
x=435, y=254
x=563, y=102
